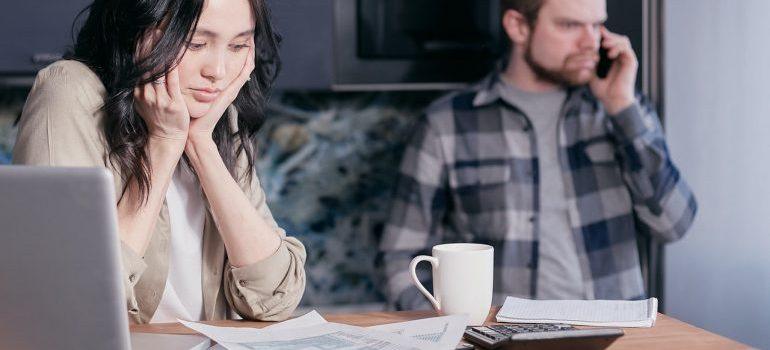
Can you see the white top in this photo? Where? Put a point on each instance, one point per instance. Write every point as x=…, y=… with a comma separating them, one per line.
x=183, y=295
x=558, y=268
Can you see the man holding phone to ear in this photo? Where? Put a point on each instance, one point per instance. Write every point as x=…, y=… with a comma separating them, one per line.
x=559, y=170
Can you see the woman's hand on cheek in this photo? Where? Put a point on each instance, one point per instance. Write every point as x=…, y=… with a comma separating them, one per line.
x=161, y=104
x=201, y=129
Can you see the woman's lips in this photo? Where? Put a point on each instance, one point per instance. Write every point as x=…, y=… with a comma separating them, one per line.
x=205, y=95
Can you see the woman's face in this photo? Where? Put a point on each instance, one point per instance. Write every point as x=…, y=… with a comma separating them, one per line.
x=217, y=52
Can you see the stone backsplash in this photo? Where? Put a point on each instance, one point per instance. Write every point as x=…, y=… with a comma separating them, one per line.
x=328, y=163
x=11, y=101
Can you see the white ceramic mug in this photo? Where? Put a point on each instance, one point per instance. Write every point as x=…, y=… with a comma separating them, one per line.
x=462, y=279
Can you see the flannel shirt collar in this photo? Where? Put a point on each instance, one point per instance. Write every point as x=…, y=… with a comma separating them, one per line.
x=488, y=90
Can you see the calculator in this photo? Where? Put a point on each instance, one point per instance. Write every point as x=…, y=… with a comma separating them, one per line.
x=494, y=336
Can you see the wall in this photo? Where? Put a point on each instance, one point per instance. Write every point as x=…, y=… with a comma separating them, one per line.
x=718, y=117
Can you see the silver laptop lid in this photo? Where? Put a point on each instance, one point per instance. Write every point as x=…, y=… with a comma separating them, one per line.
x=60, y=273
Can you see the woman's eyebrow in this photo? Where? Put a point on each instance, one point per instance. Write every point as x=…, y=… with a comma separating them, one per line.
x=246, y=33
x=212, y=34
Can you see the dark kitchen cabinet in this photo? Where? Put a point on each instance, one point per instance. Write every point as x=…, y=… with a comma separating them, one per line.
x=317, y=52
x=307, y=47
x=34, y=33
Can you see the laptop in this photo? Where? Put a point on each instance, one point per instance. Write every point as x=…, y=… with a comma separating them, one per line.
x=60, y=275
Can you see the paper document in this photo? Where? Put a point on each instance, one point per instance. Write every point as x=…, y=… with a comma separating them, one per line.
x=321, y=337
x=236, y=334
x=312, y=331
x=444, y=331
x=308, y=319
x=311, y=318
x=608, y=313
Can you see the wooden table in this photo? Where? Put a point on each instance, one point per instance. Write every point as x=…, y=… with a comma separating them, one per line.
x=668, y=332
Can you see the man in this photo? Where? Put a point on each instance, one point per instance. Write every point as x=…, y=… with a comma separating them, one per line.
x=557, y=169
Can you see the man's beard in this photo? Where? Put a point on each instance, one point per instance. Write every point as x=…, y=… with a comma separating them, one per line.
x=563, y=76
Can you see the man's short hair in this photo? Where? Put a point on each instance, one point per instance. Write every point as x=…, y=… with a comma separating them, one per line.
x=527, y=8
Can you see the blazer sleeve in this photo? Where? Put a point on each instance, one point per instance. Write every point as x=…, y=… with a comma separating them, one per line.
x=268, y=290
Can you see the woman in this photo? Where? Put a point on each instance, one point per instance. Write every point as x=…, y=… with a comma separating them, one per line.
x=168, y=94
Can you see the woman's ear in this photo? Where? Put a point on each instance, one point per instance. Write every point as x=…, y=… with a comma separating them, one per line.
x=516, y=27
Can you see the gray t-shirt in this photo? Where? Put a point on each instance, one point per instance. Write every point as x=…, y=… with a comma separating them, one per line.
x=558, y=273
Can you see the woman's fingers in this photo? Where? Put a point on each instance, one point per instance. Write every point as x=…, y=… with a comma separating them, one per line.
x=161, y=105
x=235, y=86
x=172, y=85
x=137, y=93
x=139, y=99
x=148, y=94
x=161, y=95
x=231, y=91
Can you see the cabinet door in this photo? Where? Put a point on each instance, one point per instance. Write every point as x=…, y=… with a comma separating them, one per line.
x=306, y=27
x=33, y=33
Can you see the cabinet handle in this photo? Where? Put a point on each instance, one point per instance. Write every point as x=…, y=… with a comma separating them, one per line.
x=46, y=58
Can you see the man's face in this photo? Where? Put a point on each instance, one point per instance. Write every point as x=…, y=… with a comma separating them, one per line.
x=563, y=44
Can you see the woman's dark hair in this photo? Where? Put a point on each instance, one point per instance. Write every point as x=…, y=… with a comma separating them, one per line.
x=107, y=43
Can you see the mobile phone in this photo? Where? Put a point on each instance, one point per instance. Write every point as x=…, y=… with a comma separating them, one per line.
x=603, y=67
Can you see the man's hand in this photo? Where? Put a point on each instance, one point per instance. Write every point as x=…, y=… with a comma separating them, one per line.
x=616, y=91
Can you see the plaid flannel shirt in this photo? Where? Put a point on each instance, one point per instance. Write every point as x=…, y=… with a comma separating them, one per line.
x=470, y=174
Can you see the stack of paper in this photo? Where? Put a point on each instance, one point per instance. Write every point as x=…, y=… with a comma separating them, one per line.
x=606, y=313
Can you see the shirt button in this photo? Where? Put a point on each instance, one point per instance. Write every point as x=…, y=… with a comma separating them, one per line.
x=532, y=218
x=243, y=283
x=132, y=278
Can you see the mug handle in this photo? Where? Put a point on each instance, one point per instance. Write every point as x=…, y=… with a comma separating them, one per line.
x=412, y=266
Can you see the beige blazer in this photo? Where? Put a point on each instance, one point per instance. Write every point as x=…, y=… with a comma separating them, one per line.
x=61, y=125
